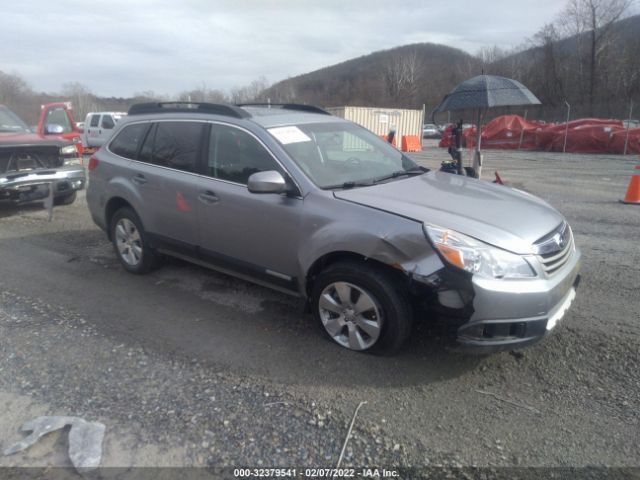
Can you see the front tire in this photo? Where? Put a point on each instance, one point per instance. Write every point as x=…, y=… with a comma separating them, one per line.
x=130, y=244
x=360, y=307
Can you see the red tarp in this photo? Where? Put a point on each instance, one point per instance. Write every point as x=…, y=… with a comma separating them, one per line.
x=593, y=121
x=504, y=133
x=544, y=137
x=586, y=135
x=469, y=137
x=616, y=144
x=445, y=140
x=585, y=139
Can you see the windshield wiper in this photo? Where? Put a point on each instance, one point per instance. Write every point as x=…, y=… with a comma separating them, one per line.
x=401, y=173
x=419, y=170
x=350, y=184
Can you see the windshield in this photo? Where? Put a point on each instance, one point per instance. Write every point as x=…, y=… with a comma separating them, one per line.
x=341, y=154
x=10, y=122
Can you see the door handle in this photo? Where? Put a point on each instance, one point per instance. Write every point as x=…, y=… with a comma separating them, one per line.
x=139, y=179
x=208, y=197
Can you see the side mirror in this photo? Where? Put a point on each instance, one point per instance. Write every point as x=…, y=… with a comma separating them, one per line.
x=53, y=128
x=270, y=181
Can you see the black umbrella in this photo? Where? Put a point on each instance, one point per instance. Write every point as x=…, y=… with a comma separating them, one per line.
x=486, y=91
x=482, y=92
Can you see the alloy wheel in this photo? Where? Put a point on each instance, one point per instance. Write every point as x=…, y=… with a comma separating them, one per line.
x=350, y=315
x=128, y=241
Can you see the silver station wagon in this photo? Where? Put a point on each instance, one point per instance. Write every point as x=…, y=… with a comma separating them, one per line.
x=293, y=198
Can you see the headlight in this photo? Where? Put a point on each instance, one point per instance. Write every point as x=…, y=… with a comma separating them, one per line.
x=68, y=150
x=477, y=257
x=73, y=161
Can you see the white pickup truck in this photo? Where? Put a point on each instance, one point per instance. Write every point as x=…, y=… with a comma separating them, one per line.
x=98, y=127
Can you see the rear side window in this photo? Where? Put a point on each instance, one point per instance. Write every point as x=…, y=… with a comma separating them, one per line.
x=95, y=119
x=234, y=155
x=58, y=116
x=127, y=141
x=107, y=122
x=173, y=145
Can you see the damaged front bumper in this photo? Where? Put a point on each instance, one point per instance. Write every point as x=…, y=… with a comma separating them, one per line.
x=33, y=185
x=514, y=313
x=497, y=314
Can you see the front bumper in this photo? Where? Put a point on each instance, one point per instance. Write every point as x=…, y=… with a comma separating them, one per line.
x=34, y=185
x=514, y=313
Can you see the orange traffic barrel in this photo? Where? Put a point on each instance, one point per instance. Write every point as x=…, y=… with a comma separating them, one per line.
x=411, y=143
x=633, y=191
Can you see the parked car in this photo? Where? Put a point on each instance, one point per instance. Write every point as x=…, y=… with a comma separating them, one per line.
x=56, y=120
x=32, y=164
x=98, y=127
x=316, y=206
x=430, y=130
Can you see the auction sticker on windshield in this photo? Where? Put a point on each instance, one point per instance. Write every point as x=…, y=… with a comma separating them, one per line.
x=286, y=135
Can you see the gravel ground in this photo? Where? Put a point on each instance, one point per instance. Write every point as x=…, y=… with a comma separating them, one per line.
x=187, y=367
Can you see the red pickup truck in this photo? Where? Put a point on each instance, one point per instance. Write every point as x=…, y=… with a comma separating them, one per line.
x=34, y=166
x=56, y=120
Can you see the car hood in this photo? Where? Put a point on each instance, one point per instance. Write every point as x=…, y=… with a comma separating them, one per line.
x=19, y=139
x=495, y=214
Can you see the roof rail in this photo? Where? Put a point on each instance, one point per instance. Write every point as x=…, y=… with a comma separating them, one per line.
x=287, y=106
x=188, y=107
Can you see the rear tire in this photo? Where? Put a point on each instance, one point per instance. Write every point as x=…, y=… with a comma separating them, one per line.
x=358, y=306
x=130, y=243
x=65, y=199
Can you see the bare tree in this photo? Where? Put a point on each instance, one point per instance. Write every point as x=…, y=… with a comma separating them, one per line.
x=402, y=74
x=148, y=96
x=282, y=92
x=254, y=92
x=12, y=86
x=16, y=93
x=629, y=70
x=203, y=94
x=595, y=18
x=81, y=98
x=547, y=66
x=490, y=55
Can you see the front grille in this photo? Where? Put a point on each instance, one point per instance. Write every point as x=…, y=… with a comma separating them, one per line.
x=555, y=249
x=25, y=159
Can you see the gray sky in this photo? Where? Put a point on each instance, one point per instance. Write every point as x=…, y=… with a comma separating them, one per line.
x=120, y=47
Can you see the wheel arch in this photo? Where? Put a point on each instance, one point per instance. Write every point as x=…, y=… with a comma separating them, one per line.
x=340, y=256
x=113, y=205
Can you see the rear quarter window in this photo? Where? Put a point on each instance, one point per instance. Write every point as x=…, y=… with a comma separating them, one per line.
x=126, y=143
x=174, y=145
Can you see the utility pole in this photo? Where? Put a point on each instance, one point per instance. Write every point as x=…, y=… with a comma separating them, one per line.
x=626, y=136
x=566, y=128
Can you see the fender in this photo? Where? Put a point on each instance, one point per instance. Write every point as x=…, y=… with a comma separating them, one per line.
x=390, y=239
